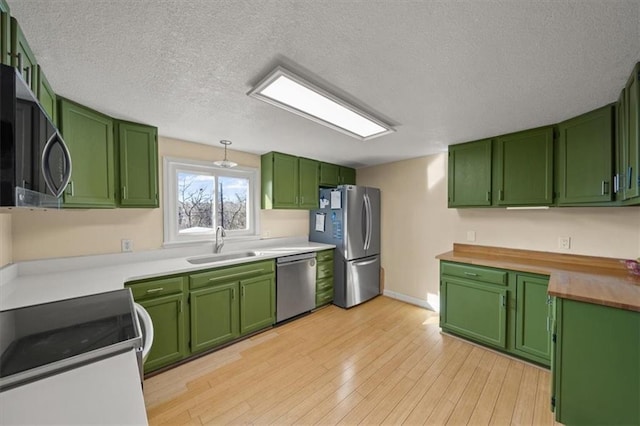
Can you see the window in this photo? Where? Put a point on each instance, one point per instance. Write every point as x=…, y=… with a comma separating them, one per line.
x=199, y=197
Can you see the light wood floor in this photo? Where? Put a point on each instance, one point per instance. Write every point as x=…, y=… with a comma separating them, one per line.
x=383, y=362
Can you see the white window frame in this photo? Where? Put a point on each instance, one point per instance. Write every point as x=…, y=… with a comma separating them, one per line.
x=172, y=166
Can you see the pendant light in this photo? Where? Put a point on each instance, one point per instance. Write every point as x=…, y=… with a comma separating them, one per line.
x=225, y=163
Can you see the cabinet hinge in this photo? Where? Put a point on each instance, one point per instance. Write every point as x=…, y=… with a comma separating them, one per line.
x=553, y=338
x=553, y=401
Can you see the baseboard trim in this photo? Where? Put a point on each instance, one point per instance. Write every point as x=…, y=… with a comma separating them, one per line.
x=408, y=299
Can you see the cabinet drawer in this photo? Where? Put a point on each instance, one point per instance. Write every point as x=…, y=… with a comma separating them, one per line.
x=477, y=273
x=324, y=297
x=325, y=270
x=231, y=273
x=325, y=256
x=144, y=290
x=324, y=284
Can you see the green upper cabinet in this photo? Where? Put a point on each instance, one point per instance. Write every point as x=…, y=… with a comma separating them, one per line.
x=347, y=176
x=332, y=175
x=89, y=137
x=469, y=177
x=137, y=147
x=279, y=181
x=524, y=168
x=631, y=143
x=22, y=57
x=46, y=95
x=620, y=144
x=5, y=33
x=308, y=171
x=329, y=174
x=585, y=164
x=532, y=338
x=289, y=182
x=257, y=303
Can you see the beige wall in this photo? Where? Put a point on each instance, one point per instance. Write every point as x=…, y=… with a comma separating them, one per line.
x=6, y=240
x=417, y=225
x=46, y=234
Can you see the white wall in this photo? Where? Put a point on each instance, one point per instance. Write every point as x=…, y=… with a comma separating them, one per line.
x=417, y=225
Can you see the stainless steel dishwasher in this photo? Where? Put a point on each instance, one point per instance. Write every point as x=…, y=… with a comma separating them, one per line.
x=295, y=285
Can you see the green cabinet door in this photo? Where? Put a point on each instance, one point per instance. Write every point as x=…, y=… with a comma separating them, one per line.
x=308, y=183
x=631, y=181
x=5, y=34
x=524, y=168
x=21, y=55
x=329, y=175
x=585, y=157
x=257, y=303
x=46, y=95
x=279, y=179
x=347, y=176
x=138, y=165
x=167, y=316
x=475, y=310
x=597, y=365
x=469, y=179
x=620, y=146
x=89, y=137
x=214, y=316
x=532, y=334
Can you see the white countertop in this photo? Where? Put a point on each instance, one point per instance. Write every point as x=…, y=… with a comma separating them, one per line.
x=34, y=282
x=106, y=392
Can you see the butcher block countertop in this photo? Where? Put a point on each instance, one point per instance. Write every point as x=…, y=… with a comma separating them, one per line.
x=600, y=280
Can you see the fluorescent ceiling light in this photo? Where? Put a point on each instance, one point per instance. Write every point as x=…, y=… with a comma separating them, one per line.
x=288, y=91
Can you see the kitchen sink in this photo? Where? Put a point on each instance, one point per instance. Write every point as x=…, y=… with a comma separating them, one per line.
x=221, y=257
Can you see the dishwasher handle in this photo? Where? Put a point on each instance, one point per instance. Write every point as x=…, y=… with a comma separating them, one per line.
x=296, y=258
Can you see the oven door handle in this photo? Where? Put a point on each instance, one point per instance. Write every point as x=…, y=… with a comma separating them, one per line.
x=147, y=330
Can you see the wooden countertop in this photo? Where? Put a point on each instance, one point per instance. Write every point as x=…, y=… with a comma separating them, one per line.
x=600, y=280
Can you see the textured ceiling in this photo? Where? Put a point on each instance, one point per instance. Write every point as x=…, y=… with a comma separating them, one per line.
x=443, y=72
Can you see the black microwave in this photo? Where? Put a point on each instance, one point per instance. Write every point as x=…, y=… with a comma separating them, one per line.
x=35, y=164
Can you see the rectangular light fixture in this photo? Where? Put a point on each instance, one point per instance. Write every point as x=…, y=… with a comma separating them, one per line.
x=288, y=91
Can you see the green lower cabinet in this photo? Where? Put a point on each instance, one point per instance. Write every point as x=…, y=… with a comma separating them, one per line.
x=475, y=310
x=169, y=342
x=596, y=372
x=214, y=316
x=324, y=277
x=257, y=303
x=507, y=310
x=532, y=318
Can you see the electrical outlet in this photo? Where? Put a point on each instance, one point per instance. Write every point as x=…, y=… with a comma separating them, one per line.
x=471, y=236
x=126, y=245
x=266, y=234
x=564, y=243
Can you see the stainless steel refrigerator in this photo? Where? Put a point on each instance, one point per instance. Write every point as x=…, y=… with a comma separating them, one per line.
x=349, y=217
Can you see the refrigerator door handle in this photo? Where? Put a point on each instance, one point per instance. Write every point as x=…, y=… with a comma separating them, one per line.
x=367, y=203
x=363, y=224
x=365, y=262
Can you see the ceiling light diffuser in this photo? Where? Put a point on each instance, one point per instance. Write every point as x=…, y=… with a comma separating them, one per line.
x=288, y=91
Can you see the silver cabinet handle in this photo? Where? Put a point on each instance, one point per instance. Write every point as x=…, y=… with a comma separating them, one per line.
x=70, y=186
x=605, y=187
x=155, y=290
x=302, y=199
x=124, y=192
x=501, y=195
x=471, y=274
x=629, y=170
x=503, y=300
x=615, y=183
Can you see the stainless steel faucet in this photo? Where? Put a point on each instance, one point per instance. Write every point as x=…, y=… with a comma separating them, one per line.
x=220, y=234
